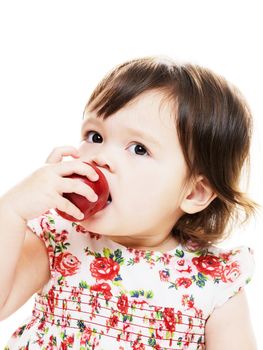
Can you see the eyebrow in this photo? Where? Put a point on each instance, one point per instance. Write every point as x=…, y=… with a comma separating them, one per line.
x=135, y=132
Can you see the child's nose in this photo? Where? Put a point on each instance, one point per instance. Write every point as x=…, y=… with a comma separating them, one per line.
x=101, y=162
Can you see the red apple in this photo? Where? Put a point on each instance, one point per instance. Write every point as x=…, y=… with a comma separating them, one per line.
x=86, y=207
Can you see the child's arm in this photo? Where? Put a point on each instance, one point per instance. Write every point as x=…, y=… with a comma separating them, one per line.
x=10, y=248
x=29, y=199
x=229, y=326
x=31, y=274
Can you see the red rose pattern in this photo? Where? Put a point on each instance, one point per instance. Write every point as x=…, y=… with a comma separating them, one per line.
x=231, y=272
x=182, y=281
x=208, y=265
x=62, y=236
x=103, y=288
x=123, y=304
x=113, y=321
x=169, y=319
x=86, y=335
x=138, y=346
x=67, y=264
x=104, y=268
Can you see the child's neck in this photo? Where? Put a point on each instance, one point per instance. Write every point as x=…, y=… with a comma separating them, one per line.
x=162, y=244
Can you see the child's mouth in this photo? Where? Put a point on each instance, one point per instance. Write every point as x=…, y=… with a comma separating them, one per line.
x=109, y=199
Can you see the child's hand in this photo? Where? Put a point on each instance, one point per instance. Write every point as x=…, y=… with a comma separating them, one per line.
x=43, y=189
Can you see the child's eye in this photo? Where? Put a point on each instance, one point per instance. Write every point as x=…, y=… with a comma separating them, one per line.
x=140, y=149
x=92, y=136
x=96, y=138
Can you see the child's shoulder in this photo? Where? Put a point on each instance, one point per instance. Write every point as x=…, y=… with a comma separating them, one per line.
x=218, y=255
x=49, y=221
x=52, y=228
x=225, y=264
x=229, y=255
x=228, y=269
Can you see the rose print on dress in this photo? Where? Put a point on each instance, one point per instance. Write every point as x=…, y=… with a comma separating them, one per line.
x=164, y=275
x=137, y=345
x=103, y=288
x=231, y=272
x=123, y=304
x=183, y=281
x=67, y=264
x=85, y=337
x=62, y=236
x=104, y=268
x=169, y=319
x=208, y=265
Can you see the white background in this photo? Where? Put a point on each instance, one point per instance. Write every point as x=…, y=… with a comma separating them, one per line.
x=53, y=53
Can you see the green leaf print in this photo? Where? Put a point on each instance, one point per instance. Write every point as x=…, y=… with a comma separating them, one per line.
x=61, y=247
x=149, y=294
x=53, y=340
x=88, y=251
x=200, y=340
x=158, y=315
x=134, y=293
x=152, y=342
x=137, y=293
x=118, y=253
x=117, y=283
x=199, y=279
x=127, y=318
x=81, y=325
x=51, y=220
x=248, y=280
x=180, y=341
x=61, y=280
x=118, y=257
x=21, y=330
x=172, y=285
x=200, y=283
x=62, y=335
x=106, y=252
x=51, y=238
x=202, y=252
x=179, y=253
x=201, y=276
x=118, y=278
x=168, y=334
x=148, y=256
x=83, y=284
x=130, y=262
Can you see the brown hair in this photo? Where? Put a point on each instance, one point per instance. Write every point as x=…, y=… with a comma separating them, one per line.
x=214, y=127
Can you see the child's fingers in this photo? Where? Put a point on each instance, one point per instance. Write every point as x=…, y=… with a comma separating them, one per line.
x=58, y=153
x=77, y=167
x=68, y=207
x=79, y=187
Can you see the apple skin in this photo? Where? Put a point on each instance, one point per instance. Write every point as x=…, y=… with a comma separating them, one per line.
x=88, y=208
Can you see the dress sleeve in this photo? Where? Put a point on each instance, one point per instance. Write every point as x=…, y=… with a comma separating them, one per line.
x=237, y=273
x=44, y=227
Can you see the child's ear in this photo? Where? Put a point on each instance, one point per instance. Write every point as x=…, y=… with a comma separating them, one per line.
x=198, y=196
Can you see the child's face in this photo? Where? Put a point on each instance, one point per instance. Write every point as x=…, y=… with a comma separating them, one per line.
x=146, y=189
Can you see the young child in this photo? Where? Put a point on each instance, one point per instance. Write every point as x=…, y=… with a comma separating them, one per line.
x=145, y=272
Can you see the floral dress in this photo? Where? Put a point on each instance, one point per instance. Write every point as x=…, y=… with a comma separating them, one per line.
x=104, y=296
